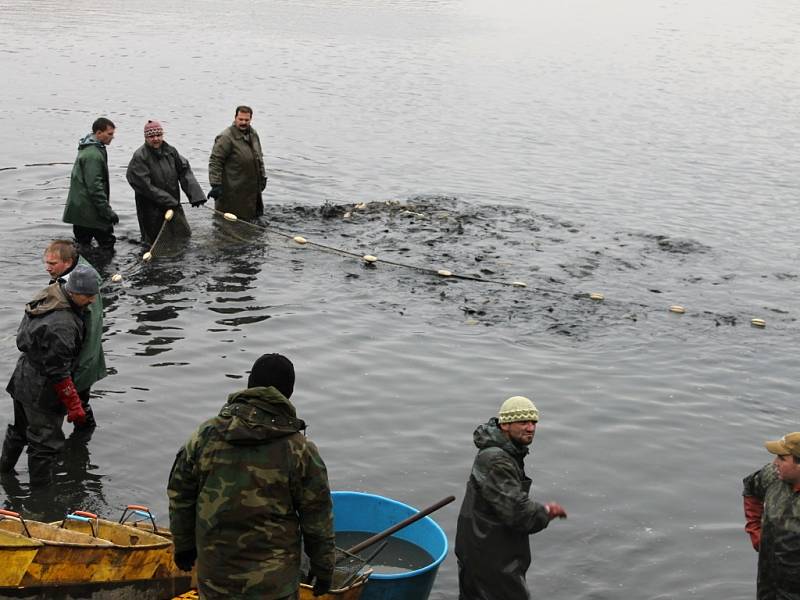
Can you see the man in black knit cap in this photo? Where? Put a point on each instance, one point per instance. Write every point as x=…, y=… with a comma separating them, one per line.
x=244, y=491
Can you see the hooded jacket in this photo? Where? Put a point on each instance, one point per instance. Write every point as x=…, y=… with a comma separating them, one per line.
x=50, y=338
x=244, y=490
x=157, y=176
x=496, y=518
x=779, y=552
x=237, y=164
x=88, y=203
x=91, y=360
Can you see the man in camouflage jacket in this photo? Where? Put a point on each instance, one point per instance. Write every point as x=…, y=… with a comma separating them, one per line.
x=497, y=515
x=772, y=510
x=246, y=489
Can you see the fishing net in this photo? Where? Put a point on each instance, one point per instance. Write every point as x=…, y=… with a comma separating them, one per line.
x=346, y=571
x=347, y=568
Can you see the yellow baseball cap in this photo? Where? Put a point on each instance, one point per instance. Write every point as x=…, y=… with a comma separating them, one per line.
x=788, y=444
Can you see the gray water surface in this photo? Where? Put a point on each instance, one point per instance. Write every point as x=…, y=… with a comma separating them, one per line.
x=644, y=150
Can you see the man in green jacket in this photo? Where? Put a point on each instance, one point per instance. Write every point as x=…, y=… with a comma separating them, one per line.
x=88, y=206
x=60, y=259
x=236, y=169
x=245, y=491
x=772, y=511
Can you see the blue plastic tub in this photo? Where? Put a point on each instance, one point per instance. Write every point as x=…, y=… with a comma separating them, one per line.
x=357, y=511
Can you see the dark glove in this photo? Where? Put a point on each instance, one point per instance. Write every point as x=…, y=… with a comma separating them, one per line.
x=68, y=396
x=185, y=559
x=263, y=183
x=216, y=192
x=199, y=201
x=321, y=586
x=555, y=511
x=114, y=218
x=753, y=509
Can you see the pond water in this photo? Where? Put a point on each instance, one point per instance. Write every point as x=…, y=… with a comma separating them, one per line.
x=646, y=150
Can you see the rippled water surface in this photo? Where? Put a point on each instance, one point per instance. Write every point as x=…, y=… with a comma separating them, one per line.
x=643, y=150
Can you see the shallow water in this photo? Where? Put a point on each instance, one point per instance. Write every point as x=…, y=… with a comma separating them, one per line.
x=645, y=150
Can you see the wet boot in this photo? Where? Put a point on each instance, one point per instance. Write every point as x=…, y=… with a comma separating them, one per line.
x=40, y=469
x=12, y=448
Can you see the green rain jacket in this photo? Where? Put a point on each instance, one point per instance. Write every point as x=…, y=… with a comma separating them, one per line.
x=496, y=519
x=779, y=553
x=237, y=164
x=88, y=203
x=91, y=361
x=244, y=491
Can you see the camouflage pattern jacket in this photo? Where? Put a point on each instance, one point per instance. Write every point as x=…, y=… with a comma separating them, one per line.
x=496, y=518
x=779, y=554
x=244, y=491
x=50, y=337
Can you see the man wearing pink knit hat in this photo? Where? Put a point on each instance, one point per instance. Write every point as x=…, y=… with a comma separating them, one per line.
x=157, y=173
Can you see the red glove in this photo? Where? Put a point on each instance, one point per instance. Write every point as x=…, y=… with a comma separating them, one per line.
x=555, y=511
x=68, y=396
x=753, y=509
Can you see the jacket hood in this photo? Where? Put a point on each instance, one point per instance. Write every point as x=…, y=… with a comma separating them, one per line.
x=256, y=416
x=89, y=140
x=489, y=435
x=51, y=298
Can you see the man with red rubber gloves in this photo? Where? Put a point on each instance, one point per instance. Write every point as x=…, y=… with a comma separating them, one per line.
x=772, y=511
x=498, y=515
x=50, y=338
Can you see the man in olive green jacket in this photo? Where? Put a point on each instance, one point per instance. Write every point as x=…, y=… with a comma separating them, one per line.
x=60, y=259
x=236, y=169
x=246, y=489
x=88, y=207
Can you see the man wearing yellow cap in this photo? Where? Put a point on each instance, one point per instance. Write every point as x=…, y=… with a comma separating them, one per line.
x=498, y=514
x=772, y=512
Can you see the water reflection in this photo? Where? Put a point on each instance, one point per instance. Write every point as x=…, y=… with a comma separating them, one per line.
x=241, y=251
x=161, y=294
x=77, y=485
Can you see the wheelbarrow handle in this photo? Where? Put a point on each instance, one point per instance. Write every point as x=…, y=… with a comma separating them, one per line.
x=15, y=515
x=138, y=510
x=83, y=513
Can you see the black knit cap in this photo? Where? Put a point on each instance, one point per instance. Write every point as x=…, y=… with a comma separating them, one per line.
x=273, y=370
